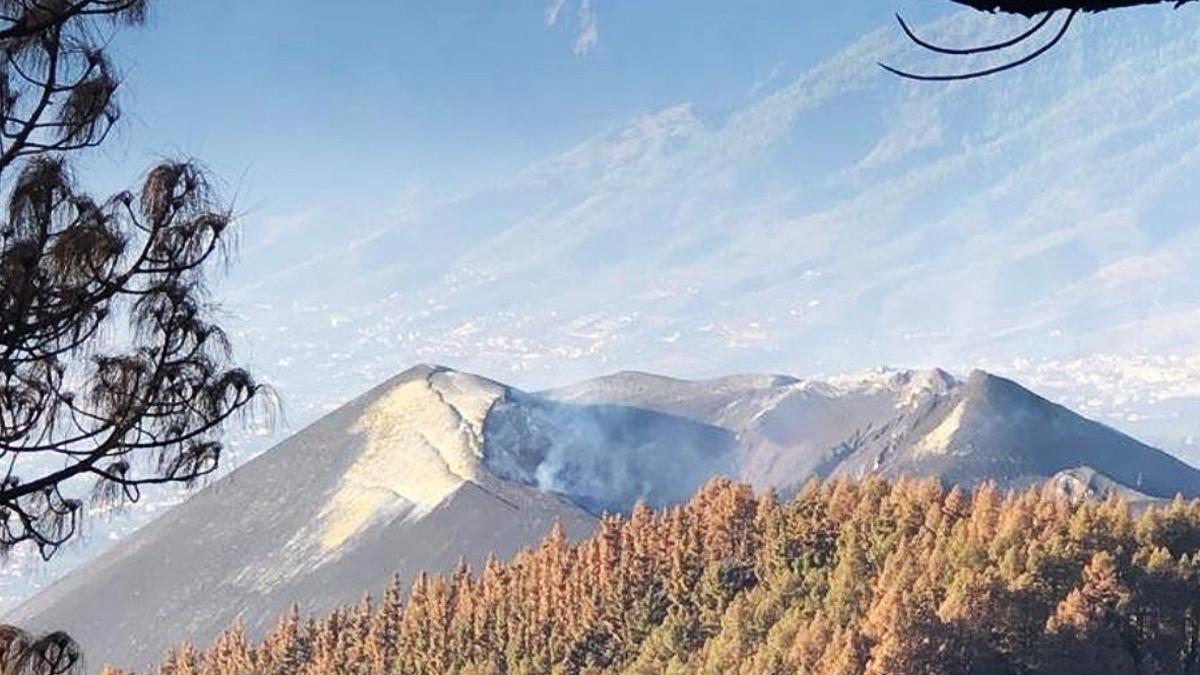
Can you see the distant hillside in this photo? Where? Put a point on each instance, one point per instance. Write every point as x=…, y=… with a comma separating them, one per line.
x=437, y=465
x=897, y=423
x=847, y=577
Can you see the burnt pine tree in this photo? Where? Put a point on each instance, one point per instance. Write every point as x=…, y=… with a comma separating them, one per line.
x=111, y=367
x=917, y=580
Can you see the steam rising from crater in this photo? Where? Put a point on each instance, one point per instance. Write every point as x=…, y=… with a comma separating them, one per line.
x=604, y=457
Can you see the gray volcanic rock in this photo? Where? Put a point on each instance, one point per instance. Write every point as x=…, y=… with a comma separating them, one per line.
x=435, y=465
x=998, y=430
x=604, y=457
x=1087, y=483
x=897, y=423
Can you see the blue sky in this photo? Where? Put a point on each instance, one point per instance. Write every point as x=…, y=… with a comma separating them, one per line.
x=278, y=95
x=544, y=191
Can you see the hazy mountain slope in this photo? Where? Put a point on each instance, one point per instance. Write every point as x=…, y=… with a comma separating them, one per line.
x=1001, y=431
x=922, y=423
x=991, y=428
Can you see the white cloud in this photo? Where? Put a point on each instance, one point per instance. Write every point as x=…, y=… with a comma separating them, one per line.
x=276, y=228
x=553, y=9
x=589, y=29
x=588, y=36
x=1137, y=269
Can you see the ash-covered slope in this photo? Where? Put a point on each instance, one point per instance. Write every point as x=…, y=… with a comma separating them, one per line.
x=390, y=483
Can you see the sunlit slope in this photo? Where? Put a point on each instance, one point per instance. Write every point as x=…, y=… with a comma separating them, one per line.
x=387, y=484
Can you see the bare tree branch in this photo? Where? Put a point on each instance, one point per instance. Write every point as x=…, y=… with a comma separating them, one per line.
x=147, y=408
x=23, y=654
x=1029, y=8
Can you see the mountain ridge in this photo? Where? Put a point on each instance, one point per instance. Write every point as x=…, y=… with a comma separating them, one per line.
x=435, y=465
